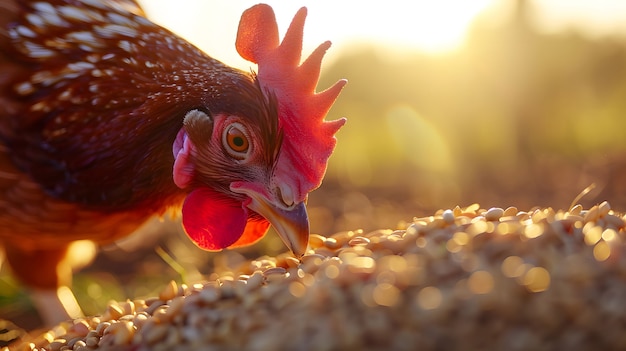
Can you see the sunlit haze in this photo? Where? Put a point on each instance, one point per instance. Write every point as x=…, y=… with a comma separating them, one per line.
x=431, y=26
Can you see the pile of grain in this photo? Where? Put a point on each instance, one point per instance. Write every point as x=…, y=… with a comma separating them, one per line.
x=463, y=279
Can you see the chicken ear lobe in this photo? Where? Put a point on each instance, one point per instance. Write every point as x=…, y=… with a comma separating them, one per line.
x=197, y=130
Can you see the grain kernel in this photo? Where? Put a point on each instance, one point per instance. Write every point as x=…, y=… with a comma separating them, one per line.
x=292, y=262
x=473, y=208
x=592, y=214
x=210, y=294
x=510, y=211
x=170, y=291
x=122, y=332
x=494, y=214
x=113, y=312
x=312, y=258
x=102, y=327
x=604, y=208
x=576, y=210
x=457, y=211
x=128, y=307
x=358, y=240
x=255, y=281
x=57, y=344
x=275, y=274
x=316, y=240
x=448, y=216
x=72, y=342
x=154, y=306
x=331, y=243
x=274, y=270
x=92, y=341
x=79, y=345
x=175, y=306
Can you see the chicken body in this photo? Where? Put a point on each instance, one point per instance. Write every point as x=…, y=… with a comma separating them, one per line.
x=86, y=134
x=108, y=119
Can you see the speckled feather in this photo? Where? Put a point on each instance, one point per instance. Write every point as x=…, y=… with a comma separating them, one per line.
x=94, y=95
x=100, y=88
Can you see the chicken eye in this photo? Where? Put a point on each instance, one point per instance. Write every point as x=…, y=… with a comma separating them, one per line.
x=235, y=140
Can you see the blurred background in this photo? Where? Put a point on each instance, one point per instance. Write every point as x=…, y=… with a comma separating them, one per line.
x=501, y=102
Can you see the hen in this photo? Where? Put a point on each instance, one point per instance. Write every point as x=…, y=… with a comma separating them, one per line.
x=108, y=119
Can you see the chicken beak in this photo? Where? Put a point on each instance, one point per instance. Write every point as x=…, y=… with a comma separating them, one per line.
x=290, y=221
x=292, y=225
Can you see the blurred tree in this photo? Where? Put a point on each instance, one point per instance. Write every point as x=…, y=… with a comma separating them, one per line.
x=517, y=117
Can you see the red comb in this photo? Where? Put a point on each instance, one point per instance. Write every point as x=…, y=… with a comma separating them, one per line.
x=309, y=139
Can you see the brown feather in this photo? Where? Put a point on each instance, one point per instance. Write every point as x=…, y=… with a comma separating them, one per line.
x=93, y=96
x=98, y=104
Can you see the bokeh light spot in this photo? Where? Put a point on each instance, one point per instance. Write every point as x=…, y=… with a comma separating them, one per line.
x=601, y=251
x=592, y=234
x=609, y=234
x=331, y=271
x=533, y=230
x=537, y=279
x=511, y=266
x=429, y=298
x=94, y=290
x=480, y=282
x=297, y=289
x=418, y=139
x=386, y=294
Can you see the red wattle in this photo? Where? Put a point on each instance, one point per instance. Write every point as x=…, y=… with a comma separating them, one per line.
x=255, y=230
x=212, y=220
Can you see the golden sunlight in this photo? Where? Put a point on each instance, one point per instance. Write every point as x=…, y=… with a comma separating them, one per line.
x=426, y=25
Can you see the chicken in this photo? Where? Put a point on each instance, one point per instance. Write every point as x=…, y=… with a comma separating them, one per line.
x=108, y=119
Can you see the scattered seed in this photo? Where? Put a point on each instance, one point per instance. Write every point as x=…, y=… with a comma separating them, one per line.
x=274, y=270
x=113, y=312
x=78, y=345
x=494, y=214
x=576, y=210
x=154, y=305
x=604, y=208
x=102, y=327
x=510, y=211
x=358, y=240
x=92, y=341
x=170, y=291
x=316, y=240
x=467, y=272
x=331, y=243
x=210, y=294
x=254, y=281
x=448, y=216
x=156, y=333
